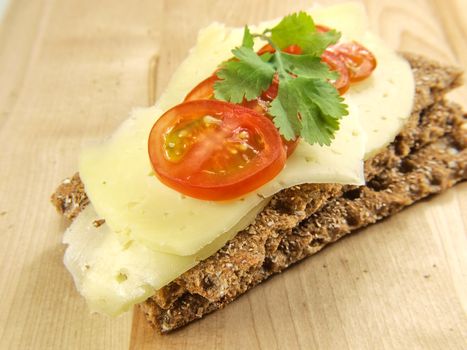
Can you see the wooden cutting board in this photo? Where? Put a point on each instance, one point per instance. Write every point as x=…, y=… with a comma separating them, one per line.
x=72, y=70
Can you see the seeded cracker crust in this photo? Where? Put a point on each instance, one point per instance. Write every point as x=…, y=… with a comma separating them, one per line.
x=427, y=157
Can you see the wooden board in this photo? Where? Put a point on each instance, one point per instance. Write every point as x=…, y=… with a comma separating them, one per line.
x=70, y=72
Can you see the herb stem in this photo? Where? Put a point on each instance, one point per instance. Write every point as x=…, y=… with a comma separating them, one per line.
x=277, y=54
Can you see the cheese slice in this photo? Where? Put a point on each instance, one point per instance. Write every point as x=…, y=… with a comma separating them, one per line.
x=153, y=234
x=385, y=98
x=113, y=276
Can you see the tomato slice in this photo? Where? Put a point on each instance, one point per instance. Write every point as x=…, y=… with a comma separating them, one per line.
x=359, y=60
x=215, y=150
x=336, y=63
x=204, y=90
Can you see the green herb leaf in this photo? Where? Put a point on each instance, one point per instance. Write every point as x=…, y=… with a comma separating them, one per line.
x=266, y=57
x=324, y=95
x=299, y=29
x=316, y=43
x=308, y=107
x=247, y=38
x=285, y=112
x=292, y=28
x=308, y=66
x=246, y=78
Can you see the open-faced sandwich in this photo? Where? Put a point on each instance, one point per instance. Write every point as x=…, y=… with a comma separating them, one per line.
x=270, y=142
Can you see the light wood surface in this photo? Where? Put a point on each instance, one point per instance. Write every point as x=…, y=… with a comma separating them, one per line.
x=72, y=70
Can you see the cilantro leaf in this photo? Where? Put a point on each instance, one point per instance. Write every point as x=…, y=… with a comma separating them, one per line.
x=309, y=66
x=317, y=42
x=324, y=95
x=299, y=29
x=292, y=28
x=317, y=127
x=308, y=107
x=246, y=77
x=247, y=38
x=284, y=110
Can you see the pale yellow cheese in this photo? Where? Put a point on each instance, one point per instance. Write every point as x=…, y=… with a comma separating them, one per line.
x=112, y=276
x=348, y=18
x=385, y=98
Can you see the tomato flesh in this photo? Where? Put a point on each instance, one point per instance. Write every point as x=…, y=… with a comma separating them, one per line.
x=204, y=90
x=359, y=61
x=215, y=150
x=336, y=63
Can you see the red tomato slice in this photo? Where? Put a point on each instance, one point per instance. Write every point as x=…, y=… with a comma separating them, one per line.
x=215, y=150
x=336, y=63
x=359, y=60
x=203, y=91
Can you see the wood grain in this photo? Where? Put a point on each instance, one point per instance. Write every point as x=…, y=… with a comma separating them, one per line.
x=70, y=72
